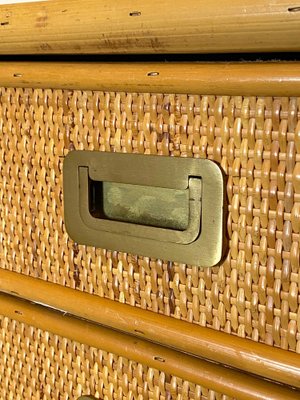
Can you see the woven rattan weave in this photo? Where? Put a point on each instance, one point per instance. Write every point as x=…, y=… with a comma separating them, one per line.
x=254, y=293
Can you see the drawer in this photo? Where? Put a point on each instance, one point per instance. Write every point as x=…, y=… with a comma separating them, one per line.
x=243, y=117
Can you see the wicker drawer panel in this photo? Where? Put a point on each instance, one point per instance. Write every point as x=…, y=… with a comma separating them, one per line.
x=254, y=293
x=36, y=364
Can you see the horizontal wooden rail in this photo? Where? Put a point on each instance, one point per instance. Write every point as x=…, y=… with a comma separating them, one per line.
x=247, y=79
x=266, y=361
x=169, y=26
x=224, y=380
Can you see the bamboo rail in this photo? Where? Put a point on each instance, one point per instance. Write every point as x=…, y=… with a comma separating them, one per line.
x=276, y=364
x=249, y=79
x=192, y=369
x=154, y=26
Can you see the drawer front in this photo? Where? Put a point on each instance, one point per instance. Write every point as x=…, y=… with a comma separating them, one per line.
x=254, y=293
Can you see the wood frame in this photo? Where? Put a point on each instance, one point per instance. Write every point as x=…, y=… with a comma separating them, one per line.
x=172, y=26
x=249, y=79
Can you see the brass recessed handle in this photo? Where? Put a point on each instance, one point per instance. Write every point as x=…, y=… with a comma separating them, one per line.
x=158, y=233
x=164, y=207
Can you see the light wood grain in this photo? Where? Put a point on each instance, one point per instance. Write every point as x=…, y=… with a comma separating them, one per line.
x=192, y=26
x=257, y=79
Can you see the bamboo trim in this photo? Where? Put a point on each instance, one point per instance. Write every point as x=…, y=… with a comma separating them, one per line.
x=259, y=359
x=221, y=379
x=170, y=26
x=257, y=79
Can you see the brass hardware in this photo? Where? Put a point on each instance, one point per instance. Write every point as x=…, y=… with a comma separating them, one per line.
x=141, y=231
x=109, y=201
x=144, y=205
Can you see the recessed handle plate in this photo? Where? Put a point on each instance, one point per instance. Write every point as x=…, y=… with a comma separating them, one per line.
x=162, y=207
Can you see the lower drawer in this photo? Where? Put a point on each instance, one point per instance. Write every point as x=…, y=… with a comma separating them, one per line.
x=49, y=354
x=36, y=364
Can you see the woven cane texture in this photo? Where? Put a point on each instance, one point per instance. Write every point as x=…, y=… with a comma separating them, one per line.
x=254, y=293
x=36, y=364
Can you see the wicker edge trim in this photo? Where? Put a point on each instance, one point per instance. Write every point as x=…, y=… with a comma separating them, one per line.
x=276, y=364
x=251, y=79
x=169, y=361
